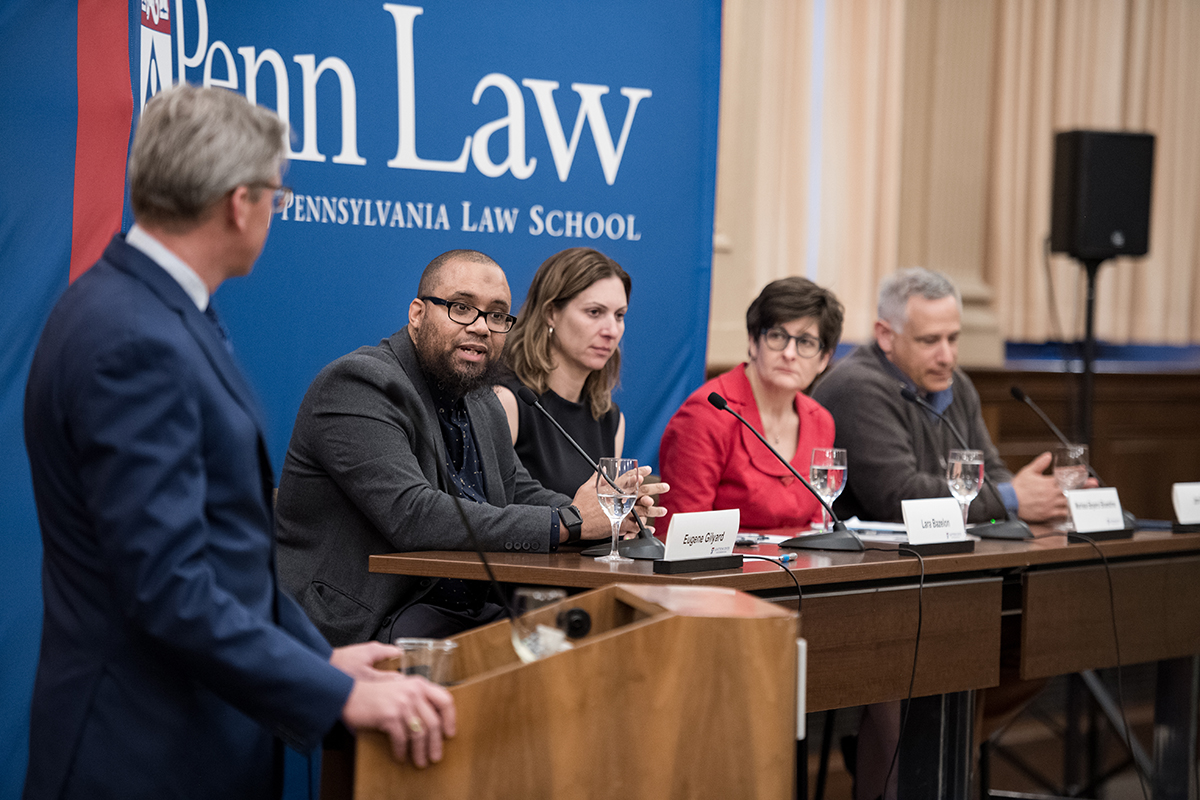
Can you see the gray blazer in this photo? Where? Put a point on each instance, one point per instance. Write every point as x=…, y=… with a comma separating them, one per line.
x=360, y=478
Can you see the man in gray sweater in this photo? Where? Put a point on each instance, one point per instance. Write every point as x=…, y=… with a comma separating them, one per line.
x=897, y=449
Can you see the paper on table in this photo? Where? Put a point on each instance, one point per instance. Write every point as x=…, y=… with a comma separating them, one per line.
x=885, y=531
x=856, y=524
x=878, y=531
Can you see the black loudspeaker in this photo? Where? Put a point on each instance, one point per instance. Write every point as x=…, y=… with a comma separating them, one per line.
x=1101, y=201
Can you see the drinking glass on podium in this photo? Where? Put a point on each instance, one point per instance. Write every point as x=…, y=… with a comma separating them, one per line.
x=535, y=635
x=827, y=474
x=964, y=474
x=616, y=489
x=1070, y=472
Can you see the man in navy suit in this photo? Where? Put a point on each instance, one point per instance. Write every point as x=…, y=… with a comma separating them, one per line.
x=172, y=664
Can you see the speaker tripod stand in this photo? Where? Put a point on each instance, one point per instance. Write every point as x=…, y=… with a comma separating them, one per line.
x=1087, y=381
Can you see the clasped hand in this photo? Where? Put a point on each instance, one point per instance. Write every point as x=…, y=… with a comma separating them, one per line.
x=597, y=526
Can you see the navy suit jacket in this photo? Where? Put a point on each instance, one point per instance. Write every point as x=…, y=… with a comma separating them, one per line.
x=171, y=662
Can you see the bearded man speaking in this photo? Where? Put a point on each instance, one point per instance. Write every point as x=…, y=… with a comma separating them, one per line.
x=385, y=436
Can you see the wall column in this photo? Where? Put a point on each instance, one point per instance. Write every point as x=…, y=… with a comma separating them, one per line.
x=945, y=154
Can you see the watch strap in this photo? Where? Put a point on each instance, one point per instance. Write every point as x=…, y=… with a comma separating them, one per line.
x=573, y=521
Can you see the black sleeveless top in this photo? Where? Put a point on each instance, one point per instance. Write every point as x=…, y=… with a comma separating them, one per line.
x=549, y=457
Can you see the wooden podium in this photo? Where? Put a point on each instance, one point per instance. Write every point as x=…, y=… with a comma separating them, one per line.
x=677, y=691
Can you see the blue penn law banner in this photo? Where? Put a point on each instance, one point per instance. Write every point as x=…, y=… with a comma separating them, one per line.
x=514, y=127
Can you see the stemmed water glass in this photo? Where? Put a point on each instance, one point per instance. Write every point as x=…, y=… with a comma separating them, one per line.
x=827, y=474
x=1070, y=472
x=616, y=488
x=964, y=474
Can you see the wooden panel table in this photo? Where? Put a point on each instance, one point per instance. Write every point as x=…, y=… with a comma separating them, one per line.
x=568, y=568
x=860, y=612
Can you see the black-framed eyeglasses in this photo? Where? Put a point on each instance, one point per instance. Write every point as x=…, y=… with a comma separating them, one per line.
x=777, y=339
x=463, y=314
x=281, y=196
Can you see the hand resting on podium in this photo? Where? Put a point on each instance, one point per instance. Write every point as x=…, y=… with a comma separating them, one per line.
x=415, y=713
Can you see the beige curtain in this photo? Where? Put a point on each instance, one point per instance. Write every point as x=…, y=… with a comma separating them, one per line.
x=932, y=143
x=761, y=182
x=1096, y=64
x=769, y=132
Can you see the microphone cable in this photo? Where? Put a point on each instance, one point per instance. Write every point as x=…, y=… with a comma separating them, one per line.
x=784, y=567
x=912, y=678
x=1051, y=296
x=1112, y=606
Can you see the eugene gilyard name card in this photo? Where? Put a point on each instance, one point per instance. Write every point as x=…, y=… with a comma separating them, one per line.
x=702, y=534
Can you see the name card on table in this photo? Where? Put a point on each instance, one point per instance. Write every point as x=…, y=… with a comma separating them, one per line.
x=1094, y=510
x=932, y=519
x=1186, y=497
x=702, y=534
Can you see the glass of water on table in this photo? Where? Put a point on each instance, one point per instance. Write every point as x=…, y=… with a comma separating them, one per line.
x=964, y=474
x=1070, y=472
x=827, y=474
x=616, y=489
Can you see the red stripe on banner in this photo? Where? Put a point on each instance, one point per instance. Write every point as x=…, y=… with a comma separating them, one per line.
x=102, y=131
x=154, y=16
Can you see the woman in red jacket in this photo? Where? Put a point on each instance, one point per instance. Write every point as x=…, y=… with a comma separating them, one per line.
x=709, y=458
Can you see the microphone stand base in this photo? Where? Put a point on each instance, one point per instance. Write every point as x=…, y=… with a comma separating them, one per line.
x=833, y=540
x=1013, y=530
x=641, y=548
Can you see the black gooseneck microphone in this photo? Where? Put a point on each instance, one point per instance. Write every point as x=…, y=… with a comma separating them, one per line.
x=1058, y=434
x=840, y=538
x=1003, y=529
x=1130, y=519
x=645, y=546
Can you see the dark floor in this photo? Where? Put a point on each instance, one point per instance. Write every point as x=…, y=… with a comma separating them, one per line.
x=1032, y=759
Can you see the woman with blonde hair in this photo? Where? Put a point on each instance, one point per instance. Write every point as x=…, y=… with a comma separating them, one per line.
x=564, y=347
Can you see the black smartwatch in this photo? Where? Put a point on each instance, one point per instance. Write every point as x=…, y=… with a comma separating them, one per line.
x=569, y=517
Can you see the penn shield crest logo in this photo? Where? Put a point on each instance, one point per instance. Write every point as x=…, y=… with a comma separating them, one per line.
x=155, y=69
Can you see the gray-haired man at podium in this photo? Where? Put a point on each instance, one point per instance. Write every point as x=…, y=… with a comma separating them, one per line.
x=172, y=664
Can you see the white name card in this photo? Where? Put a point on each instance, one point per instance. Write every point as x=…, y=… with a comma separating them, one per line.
x=701, y=534
x=1186, y=497
x=932, y=519
x=1095, y=509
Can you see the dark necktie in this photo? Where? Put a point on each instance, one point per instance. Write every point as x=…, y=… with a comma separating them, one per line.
x=211, y=313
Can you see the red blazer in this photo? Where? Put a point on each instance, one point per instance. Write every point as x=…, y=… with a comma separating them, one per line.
x=711, y=461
